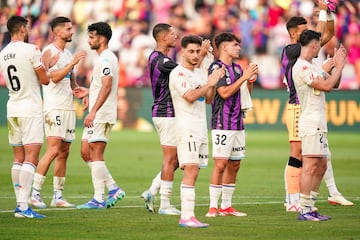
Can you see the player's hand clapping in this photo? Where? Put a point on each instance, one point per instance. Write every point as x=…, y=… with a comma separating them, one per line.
x=250, y=71
x=340, y=57
x=78, y=56
x=328, y=65
x=216, y=75
x=48, y=60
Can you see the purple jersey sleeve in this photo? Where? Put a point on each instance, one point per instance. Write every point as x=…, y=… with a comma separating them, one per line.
x=226, y=113
x=160, y=67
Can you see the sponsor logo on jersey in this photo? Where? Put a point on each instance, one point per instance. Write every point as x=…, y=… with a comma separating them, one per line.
x=106, y=71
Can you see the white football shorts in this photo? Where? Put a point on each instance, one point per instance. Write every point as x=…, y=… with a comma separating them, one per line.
x=25, y=130
x=60, y=123
x=165, y=127
x=228, y=144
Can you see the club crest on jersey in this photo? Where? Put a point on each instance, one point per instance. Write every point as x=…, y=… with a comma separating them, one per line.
x=304, y=68
x=215, y=66
x=106, y=71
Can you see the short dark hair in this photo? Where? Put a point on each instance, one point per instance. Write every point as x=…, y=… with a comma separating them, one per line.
x=58, y=21
x=308, y=35
x=294, y=22
x=102, y=29
x=186, y=40
x=14, y=23
x=160, y=27
x=225, y=37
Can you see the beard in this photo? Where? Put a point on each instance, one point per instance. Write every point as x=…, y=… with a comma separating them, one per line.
x=68, y=39
x=94, y=47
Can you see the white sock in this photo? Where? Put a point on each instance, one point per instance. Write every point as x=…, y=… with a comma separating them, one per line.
x=329, y=178
x=214, y=192
x=227, y=193
x=26, y=177
x=98, y=175
x=165, y=193
x=305, y=203
x=187, y=196
x=15, y=172
x=58, y=185
x=109, y=181
x=314, y=196
x=155, y=185
x=38, y=183
x=287, y=200
x=293, y=198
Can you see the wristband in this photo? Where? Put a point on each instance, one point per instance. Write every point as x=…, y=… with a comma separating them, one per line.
x=330, y=16
x=48, y=76
x=322, y=16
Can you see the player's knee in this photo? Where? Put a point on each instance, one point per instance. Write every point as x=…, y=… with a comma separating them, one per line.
x=85, y=156
x=52, y=153
x=219, y=167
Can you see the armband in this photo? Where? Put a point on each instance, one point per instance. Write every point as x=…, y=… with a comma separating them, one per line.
x=322, y=16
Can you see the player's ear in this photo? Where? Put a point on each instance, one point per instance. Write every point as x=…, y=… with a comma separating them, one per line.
x=102, y=39
x=292, y=33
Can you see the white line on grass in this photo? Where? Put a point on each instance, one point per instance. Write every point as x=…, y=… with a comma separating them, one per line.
x=199, y=204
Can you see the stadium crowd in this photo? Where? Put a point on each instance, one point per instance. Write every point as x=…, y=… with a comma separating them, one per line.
x=260, y=24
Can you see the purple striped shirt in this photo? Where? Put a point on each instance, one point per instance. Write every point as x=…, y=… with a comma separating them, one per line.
x=227, y=114
x=160, y=67
x=288, y=59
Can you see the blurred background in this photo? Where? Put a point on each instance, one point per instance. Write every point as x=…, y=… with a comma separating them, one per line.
x=259, y=23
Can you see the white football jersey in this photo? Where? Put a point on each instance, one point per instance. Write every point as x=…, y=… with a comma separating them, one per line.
x=105, y=65
x=59, y=95
x=17, y=63
x=312, y=101
x=190, y=118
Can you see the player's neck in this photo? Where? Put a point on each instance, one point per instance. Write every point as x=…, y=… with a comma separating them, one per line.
x=227, y=60
x=163, y=49
x=294, y=41
x=188, y=66
x=101, y=49
x=59, y=44
x=306, y=56
x=17, y=38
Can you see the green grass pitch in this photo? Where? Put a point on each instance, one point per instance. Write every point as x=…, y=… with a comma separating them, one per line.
x=135, y=158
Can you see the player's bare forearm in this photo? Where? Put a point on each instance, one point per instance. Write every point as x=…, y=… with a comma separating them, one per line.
x=210, y=94
x=73, y=82
x=103, y=95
